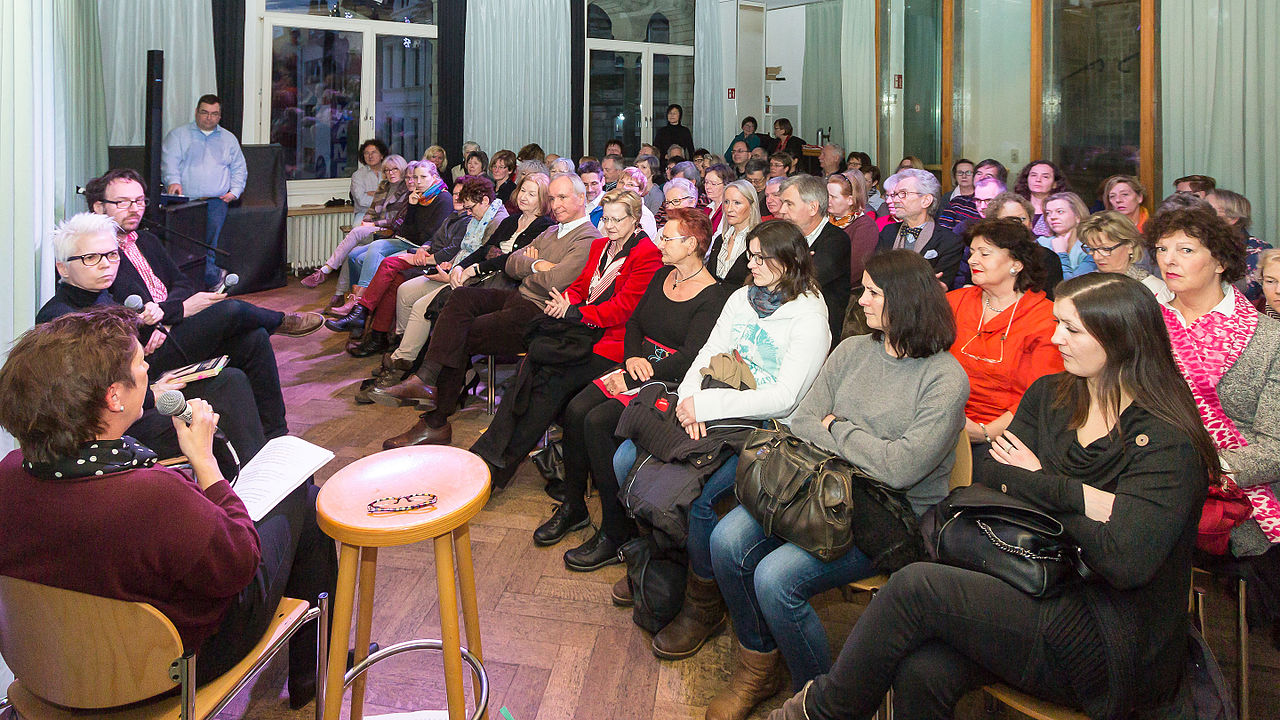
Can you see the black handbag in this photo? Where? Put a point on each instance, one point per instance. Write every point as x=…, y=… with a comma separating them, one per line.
x=987, y=531
x=817, y=501
x=657, y=582
x=550, y=461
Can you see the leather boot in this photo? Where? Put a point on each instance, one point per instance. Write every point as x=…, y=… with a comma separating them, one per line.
x=757, y=678
x=793, y=708
x=701, y=617
x=352, y=302
x=622, y=594
x=352, y=320
x=373, y=343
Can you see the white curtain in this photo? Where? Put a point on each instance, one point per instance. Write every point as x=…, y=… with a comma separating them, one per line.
x=183, y=29
x=707, y=125
x=517, y=75
x=1221, y=117
x=821, y=85
x=858, y=74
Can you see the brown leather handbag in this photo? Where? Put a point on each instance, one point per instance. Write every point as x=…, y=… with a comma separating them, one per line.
x=819, y=502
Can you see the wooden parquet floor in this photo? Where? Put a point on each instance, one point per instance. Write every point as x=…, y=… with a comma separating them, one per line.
x=555, y=647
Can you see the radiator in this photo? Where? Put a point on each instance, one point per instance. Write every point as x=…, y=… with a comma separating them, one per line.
x=311, y=238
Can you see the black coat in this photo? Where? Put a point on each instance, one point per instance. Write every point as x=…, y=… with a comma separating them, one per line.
x=831, y=252
x=943, y=251
x=669, y=135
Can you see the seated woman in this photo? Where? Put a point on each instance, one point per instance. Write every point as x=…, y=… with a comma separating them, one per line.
x=1236, y=211
x=1269, y=271
x=619, y=268
x=389, y=203
x=714, y=182
x=727, y=258
x=890, y=403
x=365, y=180
x=1064, y=212
x=128, y=529
x=1003, y=325
x=778, y=325
x=1038, y=180
x=1116, y=246
x=669, y=326
x=1125, y=195
x=1230, y=357
x=502, y=168
x=1114, y=449
x=634, y=180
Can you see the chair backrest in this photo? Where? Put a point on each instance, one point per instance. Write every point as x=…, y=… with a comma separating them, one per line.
x=962, y=470
x=85, y=651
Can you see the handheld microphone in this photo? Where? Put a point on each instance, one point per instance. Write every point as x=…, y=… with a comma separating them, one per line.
x=134, y=303
x=228, y=282
x=174, y=404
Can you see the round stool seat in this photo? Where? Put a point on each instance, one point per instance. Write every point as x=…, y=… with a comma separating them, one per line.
x=458, y=478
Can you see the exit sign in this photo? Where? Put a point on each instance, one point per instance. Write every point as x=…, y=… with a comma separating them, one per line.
x=732, y=92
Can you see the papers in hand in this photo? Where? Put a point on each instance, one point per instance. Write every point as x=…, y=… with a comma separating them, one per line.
x=278, y=468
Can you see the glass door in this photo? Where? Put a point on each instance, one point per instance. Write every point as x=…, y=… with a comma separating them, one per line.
x=614, y=108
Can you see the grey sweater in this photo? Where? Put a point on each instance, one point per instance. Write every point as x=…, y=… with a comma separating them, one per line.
x=897, y=419
x=1250, y=395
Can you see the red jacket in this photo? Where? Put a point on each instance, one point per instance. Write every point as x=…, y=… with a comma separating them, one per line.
x=613, y=312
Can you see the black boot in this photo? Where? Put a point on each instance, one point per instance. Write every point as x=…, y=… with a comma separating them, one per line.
x=563, y=521
x=593, y=554
x=373, y=343
x=349, y=322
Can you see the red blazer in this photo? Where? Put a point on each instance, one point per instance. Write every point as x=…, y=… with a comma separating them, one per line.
x=613, y=312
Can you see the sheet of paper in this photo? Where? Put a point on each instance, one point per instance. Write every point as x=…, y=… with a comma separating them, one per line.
x=280, y=466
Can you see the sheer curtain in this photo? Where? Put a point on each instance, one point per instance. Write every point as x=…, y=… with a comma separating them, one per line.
x=1221, y=116
x=858, y=74
x=517, y=75
x=183, y=29
x=708, y=86
x=821, y=96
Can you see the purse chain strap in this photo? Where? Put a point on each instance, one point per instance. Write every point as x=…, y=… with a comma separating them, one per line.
x=1014, y=549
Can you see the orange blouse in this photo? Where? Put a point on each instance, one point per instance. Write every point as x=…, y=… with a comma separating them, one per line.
x=1001, y=369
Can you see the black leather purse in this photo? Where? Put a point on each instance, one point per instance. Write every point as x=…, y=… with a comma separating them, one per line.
x=657, y=581
x=990, y=532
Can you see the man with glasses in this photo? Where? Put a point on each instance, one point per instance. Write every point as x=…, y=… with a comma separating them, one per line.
x=913, y=195
x=202, y=160
x=961, y=207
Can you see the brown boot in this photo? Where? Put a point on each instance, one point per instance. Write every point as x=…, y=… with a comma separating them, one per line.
x=757, y=678
x=702, y=616
x=793, y=708
x=621, y=592
x=352, y=300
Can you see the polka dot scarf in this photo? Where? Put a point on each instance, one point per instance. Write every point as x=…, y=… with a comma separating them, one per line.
x=98, y=457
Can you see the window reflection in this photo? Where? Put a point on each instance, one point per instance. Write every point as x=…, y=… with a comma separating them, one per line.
x=406, y=94
x=410, y=11
x=315, y=101
x=662, y=21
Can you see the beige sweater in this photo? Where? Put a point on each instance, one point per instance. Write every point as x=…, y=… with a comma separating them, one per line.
x=569, y=253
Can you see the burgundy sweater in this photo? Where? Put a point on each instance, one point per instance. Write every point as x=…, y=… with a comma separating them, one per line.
x=146, y=535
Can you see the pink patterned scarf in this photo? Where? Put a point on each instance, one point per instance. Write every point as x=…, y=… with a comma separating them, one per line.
x=1204, y=352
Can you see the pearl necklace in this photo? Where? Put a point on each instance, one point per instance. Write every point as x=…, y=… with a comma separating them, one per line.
x=986, y=300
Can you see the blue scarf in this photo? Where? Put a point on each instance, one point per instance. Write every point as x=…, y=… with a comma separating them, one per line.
x=764, y=301
x=475, y=230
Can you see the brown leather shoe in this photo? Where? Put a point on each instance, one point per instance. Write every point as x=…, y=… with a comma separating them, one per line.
x=412, y=391
x=702, y=616
x=622, y=596
x=420, y=434
x=757, y=678
x=299, y=324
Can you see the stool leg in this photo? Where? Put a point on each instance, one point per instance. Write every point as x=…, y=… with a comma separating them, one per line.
x=467, y=582
x=1242, y=633
x=343, y=601
x=492, y=391
x=364, y=622
x=449, y=636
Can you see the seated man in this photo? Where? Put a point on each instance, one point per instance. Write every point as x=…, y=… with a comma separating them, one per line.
x=84, y=507
x=478, y=321
x=915, y=195
x=204, y=161
x=803, y=202
x=198, y=325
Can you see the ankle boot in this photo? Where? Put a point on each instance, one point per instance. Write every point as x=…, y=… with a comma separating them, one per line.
x=702, y=616
x=373, y=343
x=353, y=301
x=793, y=708
x=757, y=678
x=350, y=321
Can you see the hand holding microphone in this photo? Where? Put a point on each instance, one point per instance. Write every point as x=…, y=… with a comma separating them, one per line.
x=228, y=282
x=195, y=422
x=149, y=312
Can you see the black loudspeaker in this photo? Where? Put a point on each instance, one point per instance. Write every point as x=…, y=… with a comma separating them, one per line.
x=153, y=126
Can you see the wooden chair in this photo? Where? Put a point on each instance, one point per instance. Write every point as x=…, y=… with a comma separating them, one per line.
x=76, y=655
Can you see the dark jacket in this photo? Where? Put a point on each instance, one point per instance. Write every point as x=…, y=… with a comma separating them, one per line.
x=831, y=252
x=129, y=282
x=943, y=251
x=738, y=272
x=669, y=135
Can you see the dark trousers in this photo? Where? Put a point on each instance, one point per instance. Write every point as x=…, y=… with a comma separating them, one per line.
x=589, y=446
x=475, y=321
x=240, y=331
x=298, y=561
x=933, y=633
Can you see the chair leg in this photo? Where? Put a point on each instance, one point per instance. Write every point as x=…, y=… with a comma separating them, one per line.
x=490, y=385
x=322, y=652
x=343, y=603
x=184, y=668
x=467, y=588
x=449, y=636
x=364, y=621
x=1242, y=635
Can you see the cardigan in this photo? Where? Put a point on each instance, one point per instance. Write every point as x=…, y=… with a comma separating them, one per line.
x=491, y=256
x=614, y=307
x=1141, y=557
x=568, y=253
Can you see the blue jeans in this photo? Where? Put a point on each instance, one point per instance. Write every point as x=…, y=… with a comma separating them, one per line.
x=364, y=260
x=215, y=217
x=702, y=514
x=767, y=582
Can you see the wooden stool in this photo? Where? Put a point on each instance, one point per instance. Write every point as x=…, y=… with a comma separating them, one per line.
x=460, y=481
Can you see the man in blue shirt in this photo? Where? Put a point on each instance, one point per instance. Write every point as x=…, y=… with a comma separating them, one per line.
x=202, y=160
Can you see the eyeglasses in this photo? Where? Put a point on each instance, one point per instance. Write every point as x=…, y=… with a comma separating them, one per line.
x=675, y=202
x=402, y=503
x=994, y=361
x=127, y=203
x=964, y=173
x=757, y=258
x=1101, y=250
x=902, y=194
x=606, y=220
x=663, y=237
x=95, y=259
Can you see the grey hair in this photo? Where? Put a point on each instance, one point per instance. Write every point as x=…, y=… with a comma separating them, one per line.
x=578, y=187
x=687, y=170
x=810, y=188
x=985, y=181
x=684, y=184
x=774, y=181
x=69, y=233
x=528, y=167
x=748, y=192
x=563, y=165
x=926, y=184
x=838, y=148
x=468, y=146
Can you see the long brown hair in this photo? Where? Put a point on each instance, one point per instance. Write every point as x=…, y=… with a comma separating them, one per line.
x=1123, y=316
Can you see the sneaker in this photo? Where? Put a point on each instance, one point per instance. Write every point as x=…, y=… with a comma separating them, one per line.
x=299, y=324
x=315, y=279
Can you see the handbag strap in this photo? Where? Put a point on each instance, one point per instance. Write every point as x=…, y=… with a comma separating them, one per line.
x=1014, y=549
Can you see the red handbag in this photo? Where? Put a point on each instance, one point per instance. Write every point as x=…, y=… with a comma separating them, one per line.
x=1225, y=507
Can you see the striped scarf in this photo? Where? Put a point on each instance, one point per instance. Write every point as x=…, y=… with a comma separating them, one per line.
x=129, y=248
x=611, y=261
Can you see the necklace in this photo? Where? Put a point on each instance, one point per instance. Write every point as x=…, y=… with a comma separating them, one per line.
x=981, y=324
x=676, y=283
x=986, y=300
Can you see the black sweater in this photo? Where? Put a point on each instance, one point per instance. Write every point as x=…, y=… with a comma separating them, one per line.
x=669, y=135
x=681, y=326
x=68, y=298
x=1134, y=611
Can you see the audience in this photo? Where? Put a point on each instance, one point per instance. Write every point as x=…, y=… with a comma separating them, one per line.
x=804, y=204
x=961, y=207
x=365, y=180
x=1236, y=210
x=1198, y=185
x=714, y=181
x=784, y=140
x=461, y=168
x=772, y=200
x=651, y=168
x=738, y=155
x=915, y=195
x=831, y=159
x=889, y=403
x=1113, y=449
x=781, y=164
x=634, y=180
x=1267, y=267
x=1125, y=195
x=1038, y=180
x=673, y=133
x=1116, y=246
x=749, y=140
x=502, y=168
x=727, y=258
x=1064, y=212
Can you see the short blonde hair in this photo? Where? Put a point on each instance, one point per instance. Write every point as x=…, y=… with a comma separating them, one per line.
x=397, y=162
x=1077, y=205
x=625, y=198
x=1109, y=225
x=69, y=233
x=544, y=195
x=433, y=150
x=1115, y=180
x=1267, y=257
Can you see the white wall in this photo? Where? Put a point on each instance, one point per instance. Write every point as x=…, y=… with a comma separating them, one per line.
x=784, y=46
